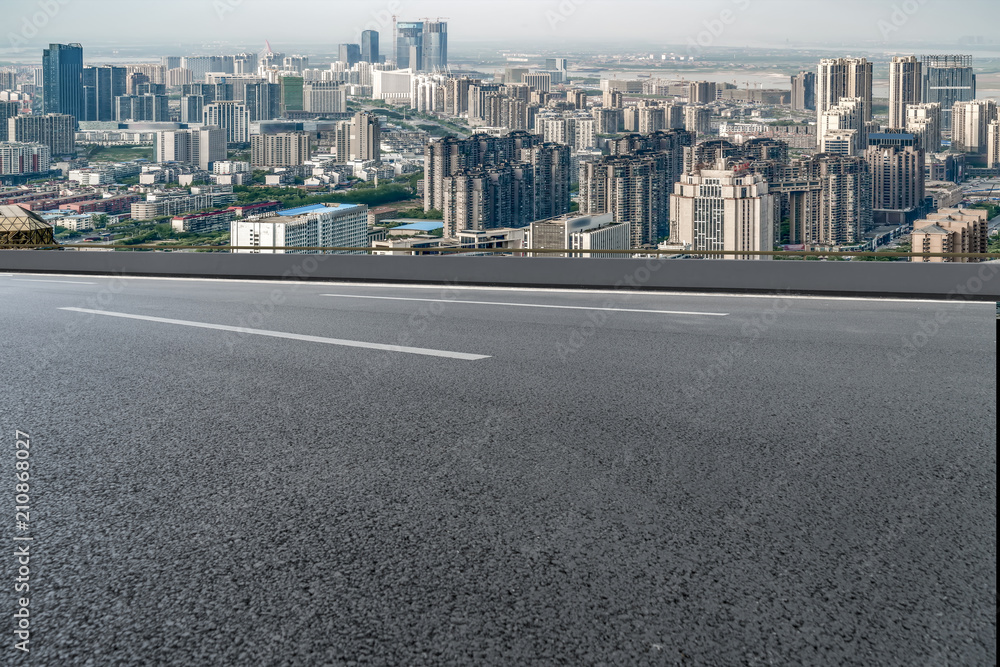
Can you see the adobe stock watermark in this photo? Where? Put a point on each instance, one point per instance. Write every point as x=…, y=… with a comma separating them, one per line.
x=380, y=20
x=224, y=7
x=899, y=17
x=33, y=23
x=563, y=11
x=715, y=28
x=931, y=327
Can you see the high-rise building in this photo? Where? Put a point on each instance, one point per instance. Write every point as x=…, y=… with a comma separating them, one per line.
x=488, y=197
x=828, y=199
x=142, y=108
x=846, y=119
x=897, y=180
x=231, y=116
x=324, y=97
x=651, y=119
x=552, y=176
x=366, y=137
x=948, y=79
x=804, y=91
x=298, y=63
x=969, y=123
x=409, y=40
x=63, y=80
x=369, y=47
x=18, y=158
x=697, y=119
x=992, y=144
x=8, y=80
x=924, y=121
x=701, y=92
x=905, y=87
x=199, y=146
x=7, y=110
x=292, y=93
x=838, y=78
x=192, y=109
x=723, y=208
x=350, y=54
x=101, y=85
x=456, y=95
x=283, y=149
x=57, y=131
x=434, y=45
x=541, y=81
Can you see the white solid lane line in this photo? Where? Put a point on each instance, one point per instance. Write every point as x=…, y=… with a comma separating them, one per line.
x=291, y=336
x=68, y=282
x=529, y=305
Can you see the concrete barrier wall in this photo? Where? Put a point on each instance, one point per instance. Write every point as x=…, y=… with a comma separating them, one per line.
x=867, y=279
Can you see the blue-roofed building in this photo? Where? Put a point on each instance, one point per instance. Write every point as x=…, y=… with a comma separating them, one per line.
x=429, y=226
x=313, y=226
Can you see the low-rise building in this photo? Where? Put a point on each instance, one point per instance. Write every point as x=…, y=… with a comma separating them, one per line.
x=319, y=225
x=203, y=223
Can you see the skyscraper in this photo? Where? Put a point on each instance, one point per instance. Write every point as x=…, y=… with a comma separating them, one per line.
x=993, y=145
x=838, y=78
x=350, y=54
x=434, y=43
x=369, y=46
x=366, y=137
x=897, y=181
x=101, y=86
x=970, y=122
x=409, y=40
x=905, y=87
x=231, y=116
x=946, y=80
x=723, y=208
x=63, y=80
x=924, y=121
x=804, y=91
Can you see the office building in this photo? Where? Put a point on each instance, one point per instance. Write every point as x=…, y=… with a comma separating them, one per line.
x=349, y=54
x=392, y=86
x=804, y=91
x=101, y=85
x=369, y=47
x=292, y=93
x=924, y=121
x=828, y=199
x=284, y=149
x=948, y=79
x=905, y=87
x=366, y=138
x=897, y=182
x=8, y=80
x=969, y=125
x=434, y=45
x=319, y=225
x=192, y=109
x=233, y=117
x=201, y=146
x=18, y=158
x=324, y=97
x=139, y=108
x=409, y=40
x=838, y=78
x=63, y=80
x=57, y=131
x=582, y=232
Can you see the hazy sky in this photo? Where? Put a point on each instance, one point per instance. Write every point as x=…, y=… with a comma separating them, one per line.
x=27, y=25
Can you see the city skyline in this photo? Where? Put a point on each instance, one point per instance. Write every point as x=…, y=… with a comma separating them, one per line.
x=725, y=23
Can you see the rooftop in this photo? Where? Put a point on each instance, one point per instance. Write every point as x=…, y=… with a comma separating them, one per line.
x=312, y=208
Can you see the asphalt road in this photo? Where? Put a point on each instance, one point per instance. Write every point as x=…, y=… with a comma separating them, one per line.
x=768, y=481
